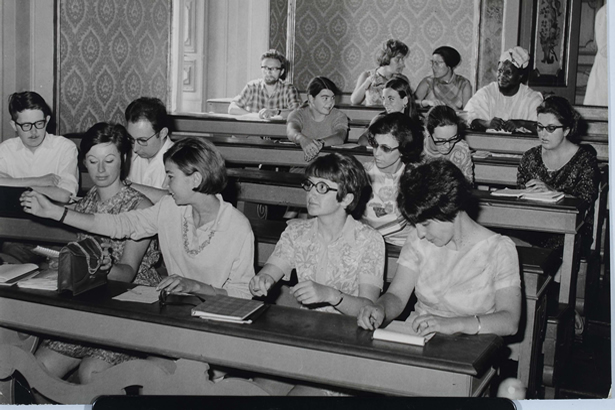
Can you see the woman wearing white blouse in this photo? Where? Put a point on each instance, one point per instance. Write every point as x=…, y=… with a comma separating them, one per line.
x=207, y=245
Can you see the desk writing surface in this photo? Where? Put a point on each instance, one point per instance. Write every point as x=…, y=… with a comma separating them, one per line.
x=339, y=334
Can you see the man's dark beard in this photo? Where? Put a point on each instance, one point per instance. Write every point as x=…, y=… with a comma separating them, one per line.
x=269, y=82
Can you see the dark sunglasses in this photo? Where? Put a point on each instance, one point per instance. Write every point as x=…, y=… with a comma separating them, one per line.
x=385, y=148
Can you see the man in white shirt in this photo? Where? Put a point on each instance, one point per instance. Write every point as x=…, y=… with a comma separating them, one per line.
x=506, y=104
x=148, y=125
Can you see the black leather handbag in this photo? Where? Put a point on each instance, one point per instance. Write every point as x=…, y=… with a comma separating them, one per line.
x=79, y=266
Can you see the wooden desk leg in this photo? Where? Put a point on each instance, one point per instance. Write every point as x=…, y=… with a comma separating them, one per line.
x=568, y=283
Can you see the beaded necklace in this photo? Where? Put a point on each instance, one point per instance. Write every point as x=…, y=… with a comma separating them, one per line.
x=194, y=252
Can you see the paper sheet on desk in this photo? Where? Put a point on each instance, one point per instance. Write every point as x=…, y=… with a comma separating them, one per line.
x=348, y=145
x=141, y=294
x=253, y=116
x=520, y=130
x=9, y=273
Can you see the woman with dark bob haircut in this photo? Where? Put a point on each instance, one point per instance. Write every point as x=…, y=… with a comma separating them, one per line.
x=444, y=87
x=207, y=245
x=559, y=163
x=339, y=260
x=391, y=62
x=465, y=277
x=104, y=151
x=318, y=123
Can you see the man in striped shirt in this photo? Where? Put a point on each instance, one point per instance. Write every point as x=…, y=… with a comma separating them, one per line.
x=270, y=95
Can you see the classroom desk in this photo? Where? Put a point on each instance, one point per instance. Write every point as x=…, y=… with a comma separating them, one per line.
x=295, y=343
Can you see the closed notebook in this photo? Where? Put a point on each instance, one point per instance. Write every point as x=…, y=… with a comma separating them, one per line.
x=227, y=308
x=548, y=196
x=401, y=332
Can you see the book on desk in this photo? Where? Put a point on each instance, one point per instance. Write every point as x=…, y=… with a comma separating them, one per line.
x=401, y=332
x=228, y=309
x=13, y=273
x=548, y=196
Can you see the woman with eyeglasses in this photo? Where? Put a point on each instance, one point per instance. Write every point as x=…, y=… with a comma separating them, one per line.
x=465, y=277
x=318, y=123
x=397, y=143
x=339, y=260
x=444, y=87
x=391, y=59
x=105, y=150
x=445, y=140
x=207, y=244
x=560, y=163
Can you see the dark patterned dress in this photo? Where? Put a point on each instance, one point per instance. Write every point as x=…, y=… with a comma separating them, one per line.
x=125, y=200
x=579, y=177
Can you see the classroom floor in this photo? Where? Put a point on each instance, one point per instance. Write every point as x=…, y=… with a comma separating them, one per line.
x=588, y=373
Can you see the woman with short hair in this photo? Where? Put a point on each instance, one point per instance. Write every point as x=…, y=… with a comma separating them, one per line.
x=207, y=245
x=391, y=62
x=465, y=277
x=444, y=87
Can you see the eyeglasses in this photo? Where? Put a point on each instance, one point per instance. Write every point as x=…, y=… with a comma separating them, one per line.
x=270, y=69
x=438, y=63
x=385, y=148
x=142, y=141
x=27, y=126
x=321, y=187
x=451, y=140
x=550, y=128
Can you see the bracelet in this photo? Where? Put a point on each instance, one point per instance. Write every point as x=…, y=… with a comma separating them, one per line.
x=479, y=324
x=340, y=301
x=63, y=215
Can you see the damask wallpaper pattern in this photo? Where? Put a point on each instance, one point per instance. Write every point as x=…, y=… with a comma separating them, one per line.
x=277, y=24
x=339, y=39
x=110, y=52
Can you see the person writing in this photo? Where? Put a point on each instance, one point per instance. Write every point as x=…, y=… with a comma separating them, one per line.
x=465, y=277
x=207, y=245
x=268, y=96
x=444, y=87
x=339, y=261
x=391, y=62
x=318, y=123
x=506, y=104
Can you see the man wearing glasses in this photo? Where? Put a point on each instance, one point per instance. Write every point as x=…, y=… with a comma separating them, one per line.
x=37, y=158
x=148, y=126
x=270, y=95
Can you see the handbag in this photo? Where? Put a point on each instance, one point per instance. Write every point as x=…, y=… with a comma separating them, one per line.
x=79, y=266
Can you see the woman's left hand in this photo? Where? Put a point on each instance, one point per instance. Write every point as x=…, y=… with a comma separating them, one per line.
x=107, y=262
x=310, y=292
x=175, y=284
x=537, y=185
x=427, y=324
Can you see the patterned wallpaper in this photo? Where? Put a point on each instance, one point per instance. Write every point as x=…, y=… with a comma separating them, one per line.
x=277, y=24
x=492, y=16
x=111, y=52
x=339, y=38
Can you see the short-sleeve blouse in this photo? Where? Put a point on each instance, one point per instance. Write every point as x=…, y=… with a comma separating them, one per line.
x=355, y=257
x=460, y=282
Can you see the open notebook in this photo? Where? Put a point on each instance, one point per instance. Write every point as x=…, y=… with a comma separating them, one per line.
x=549, y=196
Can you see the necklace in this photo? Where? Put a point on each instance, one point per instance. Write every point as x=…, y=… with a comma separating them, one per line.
x=185, y=237
x=91, y=270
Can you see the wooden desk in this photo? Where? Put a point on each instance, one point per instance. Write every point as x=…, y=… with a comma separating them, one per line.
x=295, y=343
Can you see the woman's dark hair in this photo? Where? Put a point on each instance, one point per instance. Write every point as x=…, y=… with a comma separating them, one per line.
x=450, y=56
x=561, y=108
x=440, y=116
x=401, y=84
x=199, y=155
x=344, y=170
x=407, y=132
x=150, y=109
x=391, y=49
x=276, y=55
x=103, y=133
x=433, y=190
x=27, y=100
x=317, y=84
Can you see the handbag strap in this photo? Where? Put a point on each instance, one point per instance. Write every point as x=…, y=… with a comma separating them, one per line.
x=91, y=270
